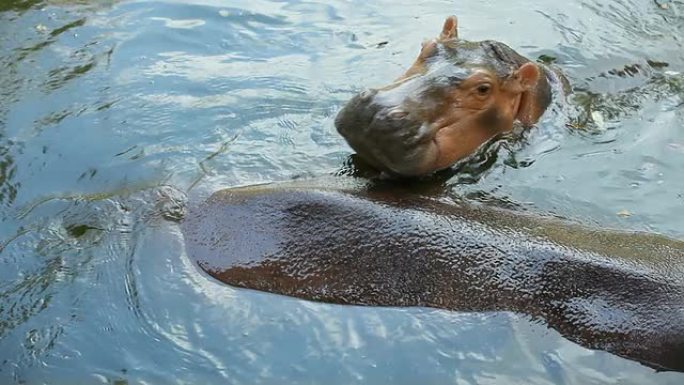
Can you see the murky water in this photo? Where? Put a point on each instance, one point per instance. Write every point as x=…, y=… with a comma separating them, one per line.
x=114, y=115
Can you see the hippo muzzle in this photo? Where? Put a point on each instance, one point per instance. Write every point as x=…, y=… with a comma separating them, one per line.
x=389, y=135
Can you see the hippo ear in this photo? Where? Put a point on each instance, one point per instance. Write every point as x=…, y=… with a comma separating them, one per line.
x=450, y=29
x=527, y=76
x=525, y=81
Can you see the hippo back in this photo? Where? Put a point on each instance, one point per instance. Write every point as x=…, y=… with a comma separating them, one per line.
x=619, y=292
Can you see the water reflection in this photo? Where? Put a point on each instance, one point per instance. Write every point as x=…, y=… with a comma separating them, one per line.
x=8, y=187
x=104, y=106
x=18, y=5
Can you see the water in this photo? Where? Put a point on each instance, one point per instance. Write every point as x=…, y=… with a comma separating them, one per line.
x=114, y=115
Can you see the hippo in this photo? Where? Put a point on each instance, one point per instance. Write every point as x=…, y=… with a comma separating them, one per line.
x=382, y=242
x=455, y=97
x=356, y=242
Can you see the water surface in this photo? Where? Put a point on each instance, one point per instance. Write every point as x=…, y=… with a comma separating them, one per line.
x=115, y=115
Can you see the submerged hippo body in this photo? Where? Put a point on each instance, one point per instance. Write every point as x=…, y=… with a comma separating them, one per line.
x=619, y=292
x=455, y=97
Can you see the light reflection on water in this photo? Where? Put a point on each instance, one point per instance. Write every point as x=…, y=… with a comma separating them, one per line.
x=112, y=116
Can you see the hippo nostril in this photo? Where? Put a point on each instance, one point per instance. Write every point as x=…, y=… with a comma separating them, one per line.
x=397, y=114
x=365, y=96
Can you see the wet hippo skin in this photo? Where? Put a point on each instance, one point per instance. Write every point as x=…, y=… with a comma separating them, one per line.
x=365, y=245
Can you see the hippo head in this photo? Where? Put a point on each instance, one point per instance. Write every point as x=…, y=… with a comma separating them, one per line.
x=456, y=96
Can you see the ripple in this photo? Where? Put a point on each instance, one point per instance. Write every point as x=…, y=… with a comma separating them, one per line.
x=110, y=113
x=180, y=24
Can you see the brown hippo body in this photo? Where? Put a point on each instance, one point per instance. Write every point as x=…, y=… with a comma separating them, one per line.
x=456, y=96
x=361, y=245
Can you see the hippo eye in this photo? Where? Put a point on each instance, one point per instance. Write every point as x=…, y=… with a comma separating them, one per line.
x=484, y=89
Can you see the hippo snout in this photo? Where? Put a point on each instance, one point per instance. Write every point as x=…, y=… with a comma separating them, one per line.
x=389, y=137
x=357, y=114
